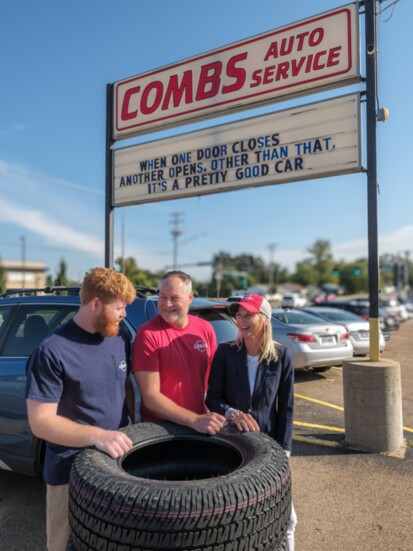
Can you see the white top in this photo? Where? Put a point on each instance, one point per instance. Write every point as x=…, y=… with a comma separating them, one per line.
x=252, y=370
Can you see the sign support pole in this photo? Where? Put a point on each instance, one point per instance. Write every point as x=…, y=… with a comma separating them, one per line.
x=371, y=94
x=373, y=423
x=109, y=208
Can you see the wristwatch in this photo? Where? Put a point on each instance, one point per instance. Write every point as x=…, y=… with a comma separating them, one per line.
x=234, y=413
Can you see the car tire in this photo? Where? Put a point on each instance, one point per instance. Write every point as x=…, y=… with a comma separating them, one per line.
x=283, y=546
x=178, y=489
x=70, y=545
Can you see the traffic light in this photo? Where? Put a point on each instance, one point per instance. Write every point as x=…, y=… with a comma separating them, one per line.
x=336, y=271
x=357, y=271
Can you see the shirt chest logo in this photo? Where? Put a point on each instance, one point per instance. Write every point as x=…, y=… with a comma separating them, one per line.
x=122, y=365
x=200, y=346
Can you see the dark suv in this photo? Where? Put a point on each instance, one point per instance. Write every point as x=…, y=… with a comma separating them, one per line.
x=26, y=317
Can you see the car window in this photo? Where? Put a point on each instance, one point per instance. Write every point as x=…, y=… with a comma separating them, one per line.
x=5, y=311
x=343, y=315
x=225, y=329
x=31, y=324
x=297, y=317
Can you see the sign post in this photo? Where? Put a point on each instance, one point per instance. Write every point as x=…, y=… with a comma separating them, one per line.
x=371, y=95
x=373, y=416
x=109, y=207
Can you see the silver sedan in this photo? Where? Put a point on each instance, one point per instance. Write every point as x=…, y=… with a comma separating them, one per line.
x=358, y=328
x=315, y=344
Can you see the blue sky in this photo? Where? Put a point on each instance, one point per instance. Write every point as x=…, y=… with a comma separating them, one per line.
x=56, y=59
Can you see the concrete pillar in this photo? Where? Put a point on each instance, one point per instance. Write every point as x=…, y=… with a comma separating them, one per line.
x=373, y=405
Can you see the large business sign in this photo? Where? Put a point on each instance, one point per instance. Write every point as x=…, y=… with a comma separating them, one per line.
x=310, y=141
x=318, y=53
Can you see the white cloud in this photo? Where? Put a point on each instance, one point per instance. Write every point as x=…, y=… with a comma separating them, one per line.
x=22, y=177
x=55, y=232
x=58, y=211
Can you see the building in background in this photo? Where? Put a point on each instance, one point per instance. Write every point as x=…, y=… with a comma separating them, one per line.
x=30, y=274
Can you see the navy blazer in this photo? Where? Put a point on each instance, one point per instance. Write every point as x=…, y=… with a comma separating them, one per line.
x=272, y=400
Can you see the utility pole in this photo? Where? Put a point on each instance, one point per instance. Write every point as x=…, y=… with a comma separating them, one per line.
x=219, y=275
x=23, y=257
x=176, y=232
x=271, y=248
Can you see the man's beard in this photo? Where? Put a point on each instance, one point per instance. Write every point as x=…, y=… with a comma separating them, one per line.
x=105, y=326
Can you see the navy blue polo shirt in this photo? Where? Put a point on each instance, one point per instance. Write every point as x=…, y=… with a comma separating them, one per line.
x=85, y=374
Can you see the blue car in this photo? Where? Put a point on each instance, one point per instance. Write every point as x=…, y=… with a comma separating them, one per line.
x=26, y=317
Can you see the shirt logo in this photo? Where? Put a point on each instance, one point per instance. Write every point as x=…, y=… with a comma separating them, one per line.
x=200, y=346
x=122, y=365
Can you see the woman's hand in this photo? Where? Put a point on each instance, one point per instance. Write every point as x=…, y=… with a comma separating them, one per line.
x=245, y=422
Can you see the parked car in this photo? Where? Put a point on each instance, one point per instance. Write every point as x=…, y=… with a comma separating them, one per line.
x=387, y=322
x=315, y=345
x=24, y=320
x=394, y=307
x=358, y=328
x=408, y=303
x=294, y=300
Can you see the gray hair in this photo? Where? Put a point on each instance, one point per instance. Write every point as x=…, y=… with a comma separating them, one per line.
x=185, y=278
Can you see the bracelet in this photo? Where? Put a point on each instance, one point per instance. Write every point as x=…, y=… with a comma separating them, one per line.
x=234, y=414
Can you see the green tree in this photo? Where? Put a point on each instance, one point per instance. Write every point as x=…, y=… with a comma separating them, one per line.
x=137, y=276
x=305, y=273
x=322, y=260
x=386, y=263
x=62, y=279
x=354, y=276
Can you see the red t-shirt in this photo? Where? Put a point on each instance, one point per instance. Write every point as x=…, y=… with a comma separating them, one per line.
x=181, y=356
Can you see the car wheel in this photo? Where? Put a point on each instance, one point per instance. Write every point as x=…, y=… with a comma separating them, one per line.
x=70, y=545
x=178, y=489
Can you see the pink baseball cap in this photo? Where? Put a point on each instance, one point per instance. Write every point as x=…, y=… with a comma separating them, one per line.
x=256, y=304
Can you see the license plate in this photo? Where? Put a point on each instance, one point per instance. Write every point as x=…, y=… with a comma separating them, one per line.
x=364, y=334
x=328, y=340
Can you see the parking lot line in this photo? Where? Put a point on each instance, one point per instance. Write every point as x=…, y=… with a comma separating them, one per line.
x=407, y=429
x=318, y=441
x=314, y=426
x=318, y=402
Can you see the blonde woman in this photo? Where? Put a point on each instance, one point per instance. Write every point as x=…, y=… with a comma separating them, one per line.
x=252, y=380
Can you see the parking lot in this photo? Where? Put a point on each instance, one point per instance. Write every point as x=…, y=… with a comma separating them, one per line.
x=319, y=397
x=345, y=500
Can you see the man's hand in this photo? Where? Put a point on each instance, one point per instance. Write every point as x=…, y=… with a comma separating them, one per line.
x=209, y=423
x=112, y=442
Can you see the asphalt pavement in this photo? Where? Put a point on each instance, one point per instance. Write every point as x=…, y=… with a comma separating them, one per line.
x=345, y=500
x=348, y=500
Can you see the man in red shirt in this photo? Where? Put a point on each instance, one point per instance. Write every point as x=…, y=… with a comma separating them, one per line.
x=171, y=360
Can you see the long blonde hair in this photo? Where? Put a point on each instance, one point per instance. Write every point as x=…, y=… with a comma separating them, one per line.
x=269, y=351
